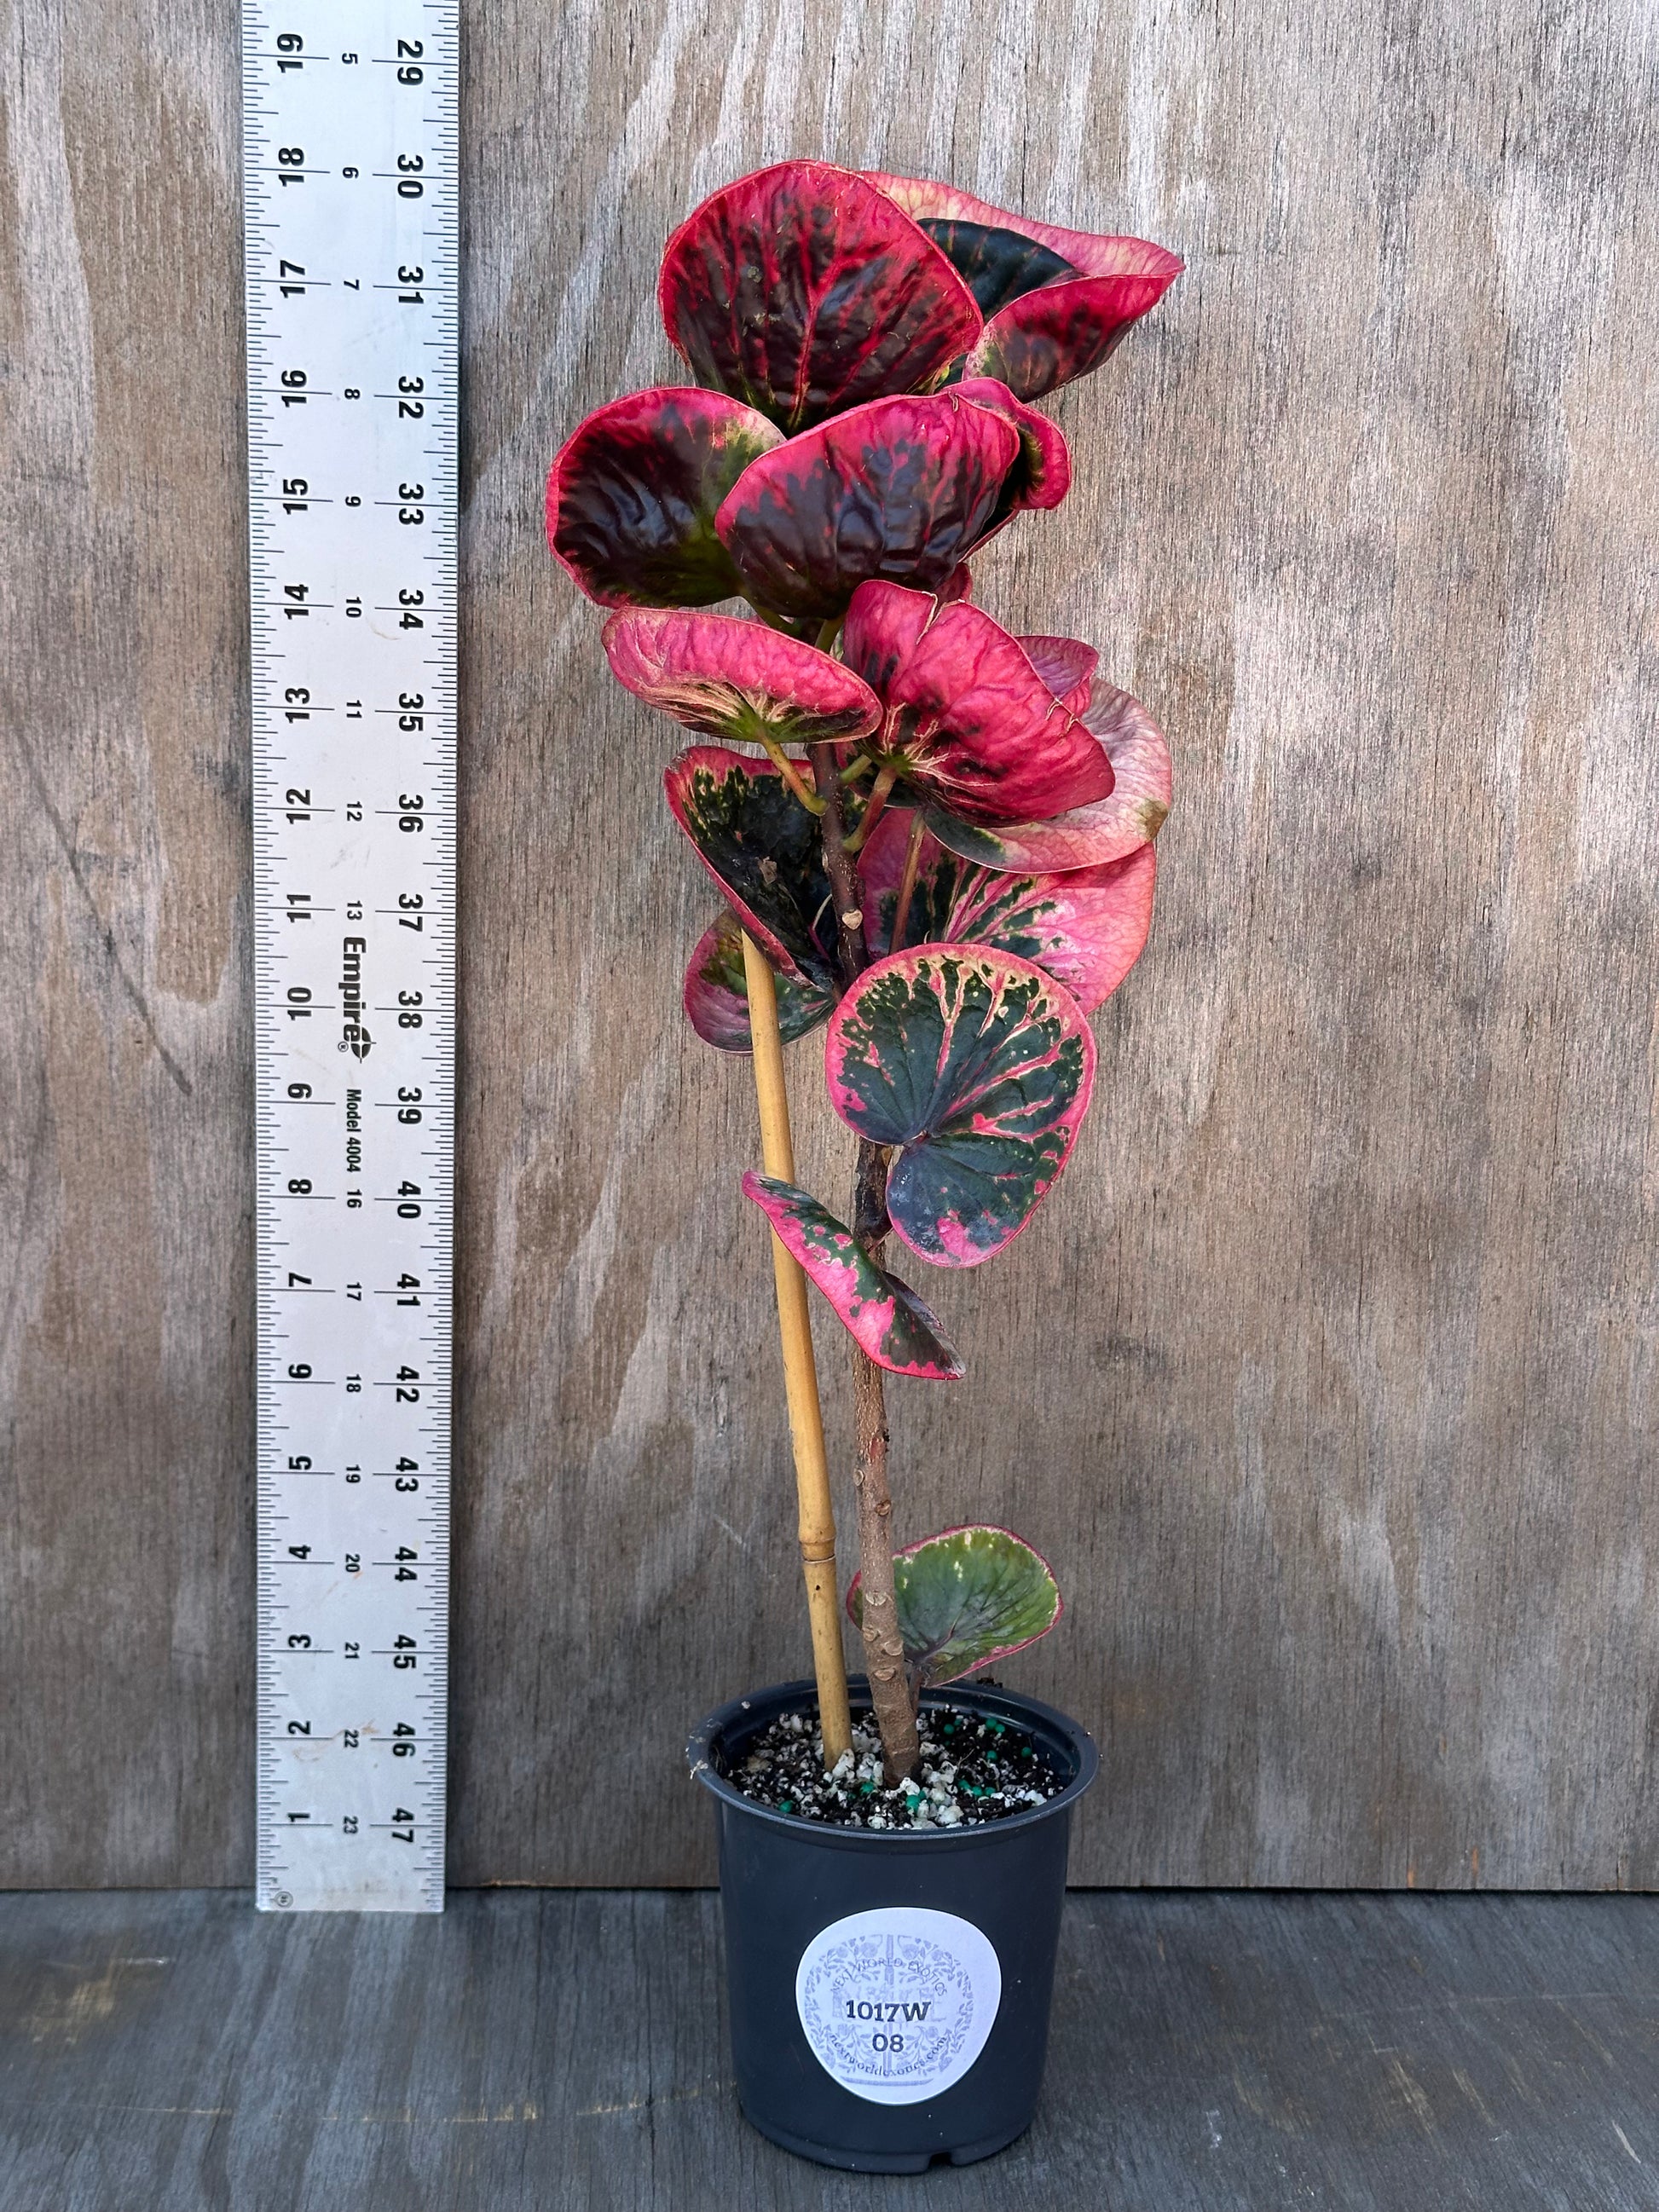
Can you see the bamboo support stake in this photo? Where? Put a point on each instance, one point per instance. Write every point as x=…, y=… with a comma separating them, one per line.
x=818, y=1514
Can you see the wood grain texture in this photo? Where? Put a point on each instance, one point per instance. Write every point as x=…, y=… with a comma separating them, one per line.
x=1327, y=1378
x=566, y=2052
x=126, y=1159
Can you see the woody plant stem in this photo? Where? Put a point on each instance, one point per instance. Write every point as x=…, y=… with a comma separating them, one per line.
x=884, y=1647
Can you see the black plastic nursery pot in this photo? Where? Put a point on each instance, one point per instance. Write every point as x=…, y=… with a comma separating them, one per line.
x=888, y=1991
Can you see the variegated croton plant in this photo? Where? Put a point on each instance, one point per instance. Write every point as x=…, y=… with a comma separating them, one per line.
x=939, y=834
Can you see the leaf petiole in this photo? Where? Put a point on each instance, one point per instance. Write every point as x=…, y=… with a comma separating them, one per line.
x=790, y=771
x=873, y=806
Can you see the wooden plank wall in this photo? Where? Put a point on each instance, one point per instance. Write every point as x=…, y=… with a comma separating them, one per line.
x=1328, y=1378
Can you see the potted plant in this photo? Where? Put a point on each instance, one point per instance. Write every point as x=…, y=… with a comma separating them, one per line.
x=933, y=841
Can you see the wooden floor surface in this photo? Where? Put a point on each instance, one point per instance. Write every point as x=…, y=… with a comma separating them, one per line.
x=565, y=2052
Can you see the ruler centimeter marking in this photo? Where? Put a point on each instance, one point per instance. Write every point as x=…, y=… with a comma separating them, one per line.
x=352, y=233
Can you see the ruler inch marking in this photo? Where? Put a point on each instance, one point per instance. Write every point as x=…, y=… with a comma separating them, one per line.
x=350, y=175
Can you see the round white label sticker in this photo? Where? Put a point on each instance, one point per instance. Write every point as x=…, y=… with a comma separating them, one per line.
x=896, y=2003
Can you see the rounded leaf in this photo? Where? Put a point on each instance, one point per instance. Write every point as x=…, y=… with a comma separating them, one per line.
x=803, y=290
x=967, y=717
x=1066, y=665
x=967, y=1598
x=1051, y=337
x=738, y=679
x=998, y=265
x=979, y=1065
x=1086, y=927
x=1043, y=475
x=632, y=495
x=946, y=210
x=1085, y=836
x=716, y=994
x=903, y=487
x=1056, y=302
x=765, y=851
x=882, y=1315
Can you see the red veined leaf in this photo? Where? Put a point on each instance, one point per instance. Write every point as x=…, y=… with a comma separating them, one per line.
x=1051, y=337
x=632, y=495
x=1086, y=836
x=903, y=487
x=1056, y=302
x=967, y=718
x=802, y=291
x=1080, y=253
x=738, y=680
x=1086, y=927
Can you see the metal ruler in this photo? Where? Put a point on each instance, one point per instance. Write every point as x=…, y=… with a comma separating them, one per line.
x=350, y=128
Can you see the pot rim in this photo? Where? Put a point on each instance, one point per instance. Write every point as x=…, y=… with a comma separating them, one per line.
x=1014, y=1703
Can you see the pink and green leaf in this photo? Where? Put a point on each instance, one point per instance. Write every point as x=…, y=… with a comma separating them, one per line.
x=765, y=851
x=716, y=992
x=1086, y=927
x=1084, y=836
x=633, y=494
x=803, y=290
x=966, y=1599
x=1087, y=253
x=978, y=1067
x=969, y=720
x=738, y=680
x=997, y=264
x=902, y=488
x=1056, y=302
x=1064, y=331
x=884, y=1316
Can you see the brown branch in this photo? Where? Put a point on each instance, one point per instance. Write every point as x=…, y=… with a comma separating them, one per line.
x=891, y=1691
x=854, y=956
x=884, y=1647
